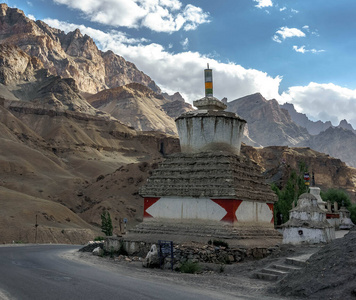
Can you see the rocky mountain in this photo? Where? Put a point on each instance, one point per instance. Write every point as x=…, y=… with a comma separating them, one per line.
x=69, y=55
x=277, y=162
x=267, y=123
x=339, y=141
x=335, y=141
x=346, y=125
x=313, y=127
x=137, y=106
x=302, y=120
x=176, y=105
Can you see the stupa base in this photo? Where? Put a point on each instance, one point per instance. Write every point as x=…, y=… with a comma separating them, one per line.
x=236, y=235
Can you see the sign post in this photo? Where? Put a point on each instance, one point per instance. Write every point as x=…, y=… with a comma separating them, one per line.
x=165, y=250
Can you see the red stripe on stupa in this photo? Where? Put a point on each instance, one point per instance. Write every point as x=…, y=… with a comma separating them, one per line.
x=231, y=206
x=270, y=205
x=148, y=202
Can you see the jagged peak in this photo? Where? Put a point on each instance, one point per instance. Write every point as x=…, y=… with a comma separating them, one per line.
x=5, y=10
x=346, y=125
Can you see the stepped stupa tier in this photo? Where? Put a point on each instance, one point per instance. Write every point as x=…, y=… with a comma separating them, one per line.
x=211, y=174
x=208, y=190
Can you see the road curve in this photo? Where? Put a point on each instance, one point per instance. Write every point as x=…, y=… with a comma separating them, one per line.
x=40, y=272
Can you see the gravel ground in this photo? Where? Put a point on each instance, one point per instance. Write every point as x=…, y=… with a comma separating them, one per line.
x=329, y=274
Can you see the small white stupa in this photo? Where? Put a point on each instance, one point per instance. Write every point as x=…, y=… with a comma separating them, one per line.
x=307, y=223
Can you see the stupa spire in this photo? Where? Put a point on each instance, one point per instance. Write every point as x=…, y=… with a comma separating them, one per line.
x=208, y=76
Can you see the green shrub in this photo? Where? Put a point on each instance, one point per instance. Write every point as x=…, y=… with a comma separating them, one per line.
x=190, y=267
x=106, y=223
x=99, y=238
x=340, y=196
x=352, y=210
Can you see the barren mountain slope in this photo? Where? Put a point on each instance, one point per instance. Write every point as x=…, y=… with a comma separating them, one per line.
x=267, y=123
x=335, y=141
x=137, y=106
x=56, y=223
x=55, y=156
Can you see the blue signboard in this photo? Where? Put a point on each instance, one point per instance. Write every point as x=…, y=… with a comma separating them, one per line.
x=165, y=250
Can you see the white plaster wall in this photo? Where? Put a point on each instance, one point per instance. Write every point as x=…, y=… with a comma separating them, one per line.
x=210, y=133
x=251, y=211
x=334, y=222
x=308, y=215
x=187, y=208
x=310, y=235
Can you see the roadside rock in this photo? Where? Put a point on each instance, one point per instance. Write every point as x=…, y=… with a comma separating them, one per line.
x=98, y=251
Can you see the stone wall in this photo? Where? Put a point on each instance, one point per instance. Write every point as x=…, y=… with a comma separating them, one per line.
x=192, y=252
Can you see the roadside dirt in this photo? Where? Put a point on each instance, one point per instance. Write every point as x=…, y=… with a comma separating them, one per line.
x=231, y=280
x=329, y=274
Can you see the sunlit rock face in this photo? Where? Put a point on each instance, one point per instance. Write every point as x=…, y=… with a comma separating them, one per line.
x=69, y=55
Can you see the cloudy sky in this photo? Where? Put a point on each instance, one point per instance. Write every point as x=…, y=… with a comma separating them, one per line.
x=300, y=51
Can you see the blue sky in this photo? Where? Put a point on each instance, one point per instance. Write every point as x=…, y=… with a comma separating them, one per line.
x=298, y=51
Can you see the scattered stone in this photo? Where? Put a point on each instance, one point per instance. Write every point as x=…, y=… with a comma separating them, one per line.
x=152, y=258
x=98, y=251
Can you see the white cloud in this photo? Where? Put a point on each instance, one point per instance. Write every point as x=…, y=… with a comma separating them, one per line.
x=283, y=8
x=183, y=71
x=285, y=32
x=98, y=35
x=185, y=43
x=32, y=17
x=302, y=49
x=157, y=15
x=326, y=102
x=276, y=39
x=294, y=11
x=263, y=3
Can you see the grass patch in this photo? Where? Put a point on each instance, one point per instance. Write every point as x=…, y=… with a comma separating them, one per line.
x=190, y=267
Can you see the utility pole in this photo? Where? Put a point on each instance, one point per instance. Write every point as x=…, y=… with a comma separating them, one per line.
x=36, y=225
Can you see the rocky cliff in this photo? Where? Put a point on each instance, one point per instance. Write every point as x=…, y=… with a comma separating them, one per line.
x=302, y=120
x=69, y=55
x=277, y=162
x=338, y=142
x=267, y=123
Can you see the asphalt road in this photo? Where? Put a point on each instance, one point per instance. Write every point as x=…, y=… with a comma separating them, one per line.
x=41, y=272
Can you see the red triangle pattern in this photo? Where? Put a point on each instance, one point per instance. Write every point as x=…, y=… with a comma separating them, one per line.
x=148, y=202
x=270, y=205
x=231, y=206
